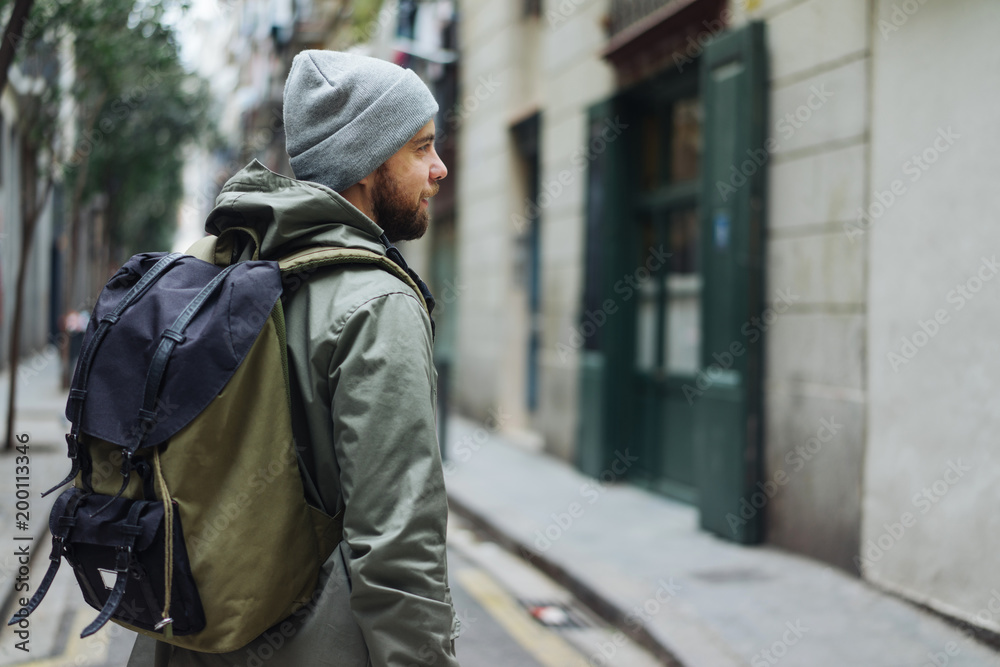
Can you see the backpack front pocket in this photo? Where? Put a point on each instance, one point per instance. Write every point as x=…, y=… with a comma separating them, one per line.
x=122, y=563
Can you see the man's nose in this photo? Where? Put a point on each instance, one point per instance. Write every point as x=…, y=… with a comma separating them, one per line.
x=438, y=169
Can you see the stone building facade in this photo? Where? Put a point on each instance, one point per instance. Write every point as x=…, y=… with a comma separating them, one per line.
x=815, y=367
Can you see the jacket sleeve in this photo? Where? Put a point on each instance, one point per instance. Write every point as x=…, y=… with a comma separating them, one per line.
x=395, y=515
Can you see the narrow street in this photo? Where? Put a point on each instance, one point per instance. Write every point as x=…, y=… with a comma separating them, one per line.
x=493, y=591
x=499, y=599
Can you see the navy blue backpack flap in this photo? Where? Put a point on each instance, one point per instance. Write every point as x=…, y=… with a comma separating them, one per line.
x=202, y=361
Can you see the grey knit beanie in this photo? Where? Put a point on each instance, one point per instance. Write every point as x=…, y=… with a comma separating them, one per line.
x=346, y=114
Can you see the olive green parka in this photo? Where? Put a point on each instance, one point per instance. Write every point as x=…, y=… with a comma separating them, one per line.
x=364, y=404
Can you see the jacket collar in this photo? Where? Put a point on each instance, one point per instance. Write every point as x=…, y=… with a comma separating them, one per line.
x=288, y=214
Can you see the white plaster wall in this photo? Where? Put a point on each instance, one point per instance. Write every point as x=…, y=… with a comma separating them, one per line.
x=573, y=77
x=940, y=409
x=554, y=68
x=815, y=352
x=488, y=38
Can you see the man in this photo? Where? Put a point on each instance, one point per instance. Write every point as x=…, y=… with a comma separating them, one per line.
x=360, y=135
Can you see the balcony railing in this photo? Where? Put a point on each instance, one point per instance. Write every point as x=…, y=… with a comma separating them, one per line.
x=626, y=13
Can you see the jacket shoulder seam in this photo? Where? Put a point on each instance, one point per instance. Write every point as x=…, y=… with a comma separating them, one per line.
x=350, y=313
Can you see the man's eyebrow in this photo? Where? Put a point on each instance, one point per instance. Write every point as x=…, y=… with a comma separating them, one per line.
x=422, y=139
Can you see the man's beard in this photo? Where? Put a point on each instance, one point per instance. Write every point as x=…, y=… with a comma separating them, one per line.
x=395, y=213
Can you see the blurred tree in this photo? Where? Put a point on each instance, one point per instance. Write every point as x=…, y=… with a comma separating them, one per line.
x=365, y=19
x=12, y=37
x=135, y=110
x=139, y=108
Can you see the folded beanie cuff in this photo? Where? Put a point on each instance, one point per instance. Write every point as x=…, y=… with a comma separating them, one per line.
x=369, y=138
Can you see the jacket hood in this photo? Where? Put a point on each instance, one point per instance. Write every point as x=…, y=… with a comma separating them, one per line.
x=288, y=214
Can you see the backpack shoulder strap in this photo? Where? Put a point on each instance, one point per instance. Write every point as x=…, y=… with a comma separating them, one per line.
x=311, y=258
x=206, y=248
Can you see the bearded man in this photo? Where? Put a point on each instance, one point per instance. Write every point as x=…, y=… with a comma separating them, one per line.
x=360, y=135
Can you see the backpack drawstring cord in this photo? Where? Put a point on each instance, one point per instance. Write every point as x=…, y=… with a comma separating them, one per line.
x=168, y=566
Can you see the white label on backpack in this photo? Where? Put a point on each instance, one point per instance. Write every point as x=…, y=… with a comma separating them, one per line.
x=109, y=577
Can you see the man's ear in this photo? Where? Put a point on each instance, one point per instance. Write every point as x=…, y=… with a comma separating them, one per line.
x=359, y=194
x=364, y=185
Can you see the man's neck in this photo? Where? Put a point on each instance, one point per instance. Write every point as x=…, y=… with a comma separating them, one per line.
x=359, y=197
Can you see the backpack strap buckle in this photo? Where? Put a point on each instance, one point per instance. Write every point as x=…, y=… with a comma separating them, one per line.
x=73, y=448
x=123, y=558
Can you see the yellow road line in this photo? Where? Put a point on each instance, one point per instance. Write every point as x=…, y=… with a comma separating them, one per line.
x=545, y=646
x=93, y=650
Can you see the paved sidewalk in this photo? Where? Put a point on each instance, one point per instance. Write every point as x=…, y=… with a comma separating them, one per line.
x=39, y=416
x=642, y=559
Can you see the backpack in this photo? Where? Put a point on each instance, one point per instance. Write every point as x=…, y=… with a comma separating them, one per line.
x=187, y=520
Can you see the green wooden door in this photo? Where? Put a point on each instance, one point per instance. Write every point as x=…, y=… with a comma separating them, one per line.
x=664, y=263
x=726, y=399
x=650, y=376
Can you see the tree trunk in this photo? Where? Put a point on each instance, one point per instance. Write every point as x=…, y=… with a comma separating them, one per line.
x=76, y=203
x=12, y=37
x=29, y=223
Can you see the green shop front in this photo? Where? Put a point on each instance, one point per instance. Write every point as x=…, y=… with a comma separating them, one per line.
x=670, y=374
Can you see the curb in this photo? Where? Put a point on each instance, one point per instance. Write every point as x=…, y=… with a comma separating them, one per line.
x=589, y=596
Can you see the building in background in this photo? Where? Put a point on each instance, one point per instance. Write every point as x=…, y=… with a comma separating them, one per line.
x=740, y=253
x=20, y=187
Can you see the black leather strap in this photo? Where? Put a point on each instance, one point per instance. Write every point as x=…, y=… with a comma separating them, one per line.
x=55, y=556
x=169, y=339
x=126, y=473
x=73, y=451
x=392, y=252
x=122, y=563
x=64, y=524
x=78, y=391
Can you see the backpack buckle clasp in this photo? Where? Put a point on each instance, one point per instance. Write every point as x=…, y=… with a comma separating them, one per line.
x=123, y=559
